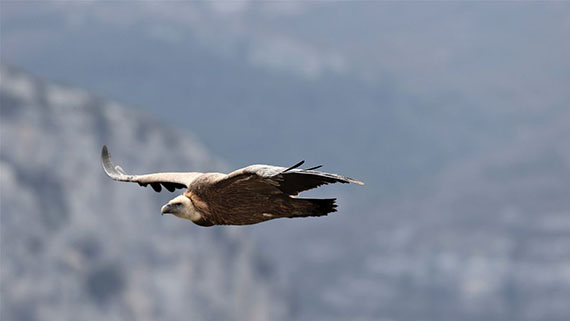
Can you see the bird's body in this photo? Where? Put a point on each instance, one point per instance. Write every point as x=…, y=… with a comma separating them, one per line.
x=250, y=195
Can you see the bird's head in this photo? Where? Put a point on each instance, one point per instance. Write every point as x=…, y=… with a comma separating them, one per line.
x=180, y=206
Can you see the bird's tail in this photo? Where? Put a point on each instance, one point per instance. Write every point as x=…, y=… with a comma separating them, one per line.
x=305, y=207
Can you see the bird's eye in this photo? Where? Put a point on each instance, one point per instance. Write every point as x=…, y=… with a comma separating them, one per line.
x=177, y=204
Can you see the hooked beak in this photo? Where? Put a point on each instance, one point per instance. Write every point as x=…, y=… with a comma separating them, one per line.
x=166, y=209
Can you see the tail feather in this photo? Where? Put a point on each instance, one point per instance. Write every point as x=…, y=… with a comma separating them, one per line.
x=305, y=207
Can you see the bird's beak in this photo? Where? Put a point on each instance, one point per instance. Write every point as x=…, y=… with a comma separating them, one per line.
x=166, y=209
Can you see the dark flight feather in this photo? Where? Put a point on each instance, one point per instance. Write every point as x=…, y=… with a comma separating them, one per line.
x=294, y=166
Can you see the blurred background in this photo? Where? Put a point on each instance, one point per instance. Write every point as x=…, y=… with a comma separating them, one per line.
x=456, y=115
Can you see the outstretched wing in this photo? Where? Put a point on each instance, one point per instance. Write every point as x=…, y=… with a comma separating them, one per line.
x=256, y=193
x=171, y=181
x=290, y=181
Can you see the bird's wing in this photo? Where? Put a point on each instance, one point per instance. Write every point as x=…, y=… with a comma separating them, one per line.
x=170, y=181
x=255, y=193
x=233, y=201
x=291, y=181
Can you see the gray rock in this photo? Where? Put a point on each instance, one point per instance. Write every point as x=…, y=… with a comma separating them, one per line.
x=77, y=246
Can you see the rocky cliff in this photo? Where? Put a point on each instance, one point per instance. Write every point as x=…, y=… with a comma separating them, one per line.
x=77, y=246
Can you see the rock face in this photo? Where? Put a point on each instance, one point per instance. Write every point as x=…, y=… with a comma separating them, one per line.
x=76, y=245
x=491, y=241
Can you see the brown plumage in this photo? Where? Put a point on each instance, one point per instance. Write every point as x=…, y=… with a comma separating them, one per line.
x=250, y=195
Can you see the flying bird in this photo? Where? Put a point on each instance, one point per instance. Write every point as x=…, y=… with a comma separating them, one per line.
x=249, y=195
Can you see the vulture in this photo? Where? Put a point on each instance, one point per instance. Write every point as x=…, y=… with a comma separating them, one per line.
x=249, y=195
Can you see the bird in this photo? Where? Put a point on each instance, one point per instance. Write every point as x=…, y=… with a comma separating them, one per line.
x=250, y=195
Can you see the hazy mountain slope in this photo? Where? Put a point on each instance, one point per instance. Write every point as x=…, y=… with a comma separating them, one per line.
x=76, y=245
x=490, y=240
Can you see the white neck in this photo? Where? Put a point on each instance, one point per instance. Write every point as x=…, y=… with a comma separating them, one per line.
x=191, y=213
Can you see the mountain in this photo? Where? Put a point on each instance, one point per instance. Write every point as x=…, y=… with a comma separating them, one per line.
x=490, y=240
x=76, y=245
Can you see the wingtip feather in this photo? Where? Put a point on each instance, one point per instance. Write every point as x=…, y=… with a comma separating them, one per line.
x=108, y=166
x=294, y=166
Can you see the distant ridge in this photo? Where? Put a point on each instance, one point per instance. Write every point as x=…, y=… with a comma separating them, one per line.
x=76, y=246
